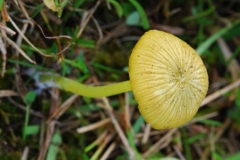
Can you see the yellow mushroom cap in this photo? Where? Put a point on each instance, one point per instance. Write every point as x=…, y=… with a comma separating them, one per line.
x=168, y=79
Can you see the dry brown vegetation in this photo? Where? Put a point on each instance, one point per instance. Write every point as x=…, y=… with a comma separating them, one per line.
x=91, y=43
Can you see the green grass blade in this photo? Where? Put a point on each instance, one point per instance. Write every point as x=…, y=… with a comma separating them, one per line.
x=145, y=23
x=137, y=124
x=186, y=145
x=206, y=44
x=234, y=157
x=1, y=3
x=117, y=6
x=199, y=15
x=55, y=143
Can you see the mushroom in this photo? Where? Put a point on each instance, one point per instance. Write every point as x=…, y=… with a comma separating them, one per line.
x=167, y=77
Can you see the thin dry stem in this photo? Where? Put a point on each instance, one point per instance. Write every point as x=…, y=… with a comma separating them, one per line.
x=103, y=145
x=179, y=153
x=146, y=134
x=25, y=153
x=49, y=134
x=127, y=111
x=22, y=107
x=4, y=57
x=233, y=66
x=100, y=138
x=93, y=126
x=6, y=29
x=25, y=38
x=108, y=151
x=220, y=92
x=7, y=93
x=89, y=14
x=216, y=137
x=61, y=110
x=154, y=148
x=153, y=133
x=99, y=31
x=206, y=116
x=13, y=44
x=4, y=12
x=25, y=12
x=19, y=38
x=57, y=37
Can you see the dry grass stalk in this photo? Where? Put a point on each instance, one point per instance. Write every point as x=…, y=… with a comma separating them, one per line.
x=220, y=92
x=127, y=111
x=87, y=15
x=25, y=153
x=100, y=138
x=207, y=150
x=4, y=28
x=26, y=39
x=158, y=145
x=146, y=134
x=22, y=107
x=4, y=57
x=93, y=126
x=179, y=153
x=152, y=133
x=103, y=145
x=4, y=12
x=25, y=12
x=155, y=147
x=13, y=44
x=47, y=140
x=108, y=151
x=62, y=109
x=7, y=93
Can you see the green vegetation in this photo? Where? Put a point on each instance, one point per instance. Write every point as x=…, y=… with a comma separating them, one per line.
x=90, y=42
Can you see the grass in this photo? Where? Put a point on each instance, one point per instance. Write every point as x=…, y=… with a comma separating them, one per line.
x=40, y=123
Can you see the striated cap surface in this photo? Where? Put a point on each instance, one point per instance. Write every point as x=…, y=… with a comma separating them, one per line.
x=168, y=79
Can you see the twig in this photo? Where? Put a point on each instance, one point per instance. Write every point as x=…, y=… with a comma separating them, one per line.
x=180, y=155
x=96, y=142
x=220, y=92
x=217, y=136
x=233, y=66
x=6, y=93
x=6, y=29
x=4, y=12
x=56, y=37
x=93, y=126
x=25, y=153
x=25, y=12
x=122, y=136
x=85, y=21
x=25, y=38
x=99, y=31
x=153, y=133
x=127, y=111
x=59, y=111
x=146, y=134
x=108, y=151
x=32, y=112
x=4, y=57
x=44, y=147
x=102, y=146
x=154, y=148
x=13, y=44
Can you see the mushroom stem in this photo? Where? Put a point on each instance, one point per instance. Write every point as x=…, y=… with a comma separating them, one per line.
x=54, y=80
